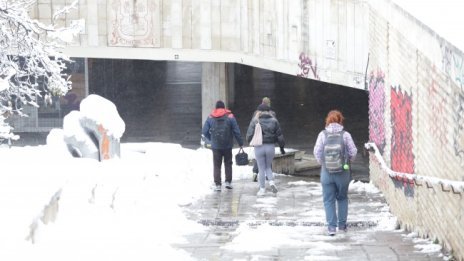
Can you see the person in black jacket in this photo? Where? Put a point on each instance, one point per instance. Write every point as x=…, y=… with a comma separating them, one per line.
x=220, y=128
x=267, y=102
x=265, y=153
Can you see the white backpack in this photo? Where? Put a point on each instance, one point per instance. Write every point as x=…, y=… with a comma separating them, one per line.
x=257, y=139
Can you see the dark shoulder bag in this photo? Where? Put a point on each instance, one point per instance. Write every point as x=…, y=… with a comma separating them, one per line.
x=241, y=159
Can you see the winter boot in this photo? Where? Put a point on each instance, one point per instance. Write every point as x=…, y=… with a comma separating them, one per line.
x=255, y=177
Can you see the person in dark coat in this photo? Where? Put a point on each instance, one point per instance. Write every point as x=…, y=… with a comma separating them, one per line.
x=267, y=102
x=265, y=153
x=220, y=128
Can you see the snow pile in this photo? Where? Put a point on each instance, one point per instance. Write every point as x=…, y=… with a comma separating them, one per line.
x=93, y=132
x=105, y=208
x=104, y=112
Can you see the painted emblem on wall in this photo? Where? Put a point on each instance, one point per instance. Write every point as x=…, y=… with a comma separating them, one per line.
x=134, y=23
x=377, y=109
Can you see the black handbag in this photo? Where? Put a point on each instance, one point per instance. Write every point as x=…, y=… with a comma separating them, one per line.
x=241, y=159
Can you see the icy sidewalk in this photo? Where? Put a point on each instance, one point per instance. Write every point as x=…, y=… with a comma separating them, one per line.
x=290, y=226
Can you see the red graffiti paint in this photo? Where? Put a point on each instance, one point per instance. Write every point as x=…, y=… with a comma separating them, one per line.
x=402, y=157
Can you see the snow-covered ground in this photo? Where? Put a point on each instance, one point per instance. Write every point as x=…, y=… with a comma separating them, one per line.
x=120, y=209
x=56, y=207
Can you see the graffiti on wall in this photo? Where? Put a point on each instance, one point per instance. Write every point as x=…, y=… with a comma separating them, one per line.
x=438, y=123
x=447, y=56
x=402, y=158
x=381, y=180
x=377, y=109
x=132, y=23
x=453, y=66
x=458, y=134
x=306, y=66
x=384, y=181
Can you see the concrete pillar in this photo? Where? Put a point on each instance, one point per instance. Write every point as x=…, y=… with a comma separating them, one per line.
x=214, y=86
x=230, y=68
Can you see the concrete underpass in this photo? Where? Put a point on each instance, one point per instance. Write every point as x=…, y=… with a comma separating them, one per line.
x=161, y=101
x=399, y=83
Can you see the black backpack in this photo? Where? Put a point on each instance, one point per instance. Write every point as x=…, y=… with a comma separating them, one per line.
x=334, y=151
x=221, y=131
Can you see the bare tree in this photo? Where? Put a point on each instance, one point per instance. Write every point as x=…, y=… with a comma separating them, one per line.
x=30, y=64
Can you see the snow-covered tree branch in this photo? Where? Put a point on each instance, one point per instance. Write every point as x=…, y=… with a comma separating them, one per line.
x=30, y=64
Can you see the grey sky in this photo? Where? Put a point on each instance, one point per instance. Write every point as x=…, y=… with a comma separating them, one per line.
x=446, y=17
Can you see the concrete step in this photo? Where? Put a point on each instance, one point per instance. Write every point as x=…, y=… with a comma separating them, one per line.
x=307, y=162
x=307, y=166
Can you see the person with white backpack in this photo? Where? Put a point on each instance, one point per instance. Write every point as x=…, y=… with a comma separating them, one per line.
x=263, y=132
x=266, y=101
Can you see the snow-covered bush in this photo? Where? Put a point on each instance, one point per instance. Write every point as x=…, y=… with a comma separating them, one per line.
x=30, y=64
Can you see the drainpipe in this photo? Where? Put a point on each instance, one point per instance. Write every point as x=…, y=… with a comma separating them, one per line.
x=365, y=74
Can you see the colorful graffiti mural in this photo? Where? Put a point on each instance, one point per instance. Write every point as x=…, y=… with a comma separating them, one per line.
x=402, y=157
x=377, y=109
x=306, y=66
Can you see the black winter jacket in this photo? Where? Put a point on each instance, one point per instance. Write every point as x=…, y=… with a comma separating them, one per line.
x=271, y=129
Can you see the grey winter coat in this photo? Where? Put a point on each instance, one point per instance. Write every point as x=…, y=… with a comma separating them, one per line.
x=270, y=126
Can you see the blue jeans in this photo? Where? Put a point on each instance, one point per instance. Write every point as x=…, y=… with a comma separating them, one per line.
x=335, y=189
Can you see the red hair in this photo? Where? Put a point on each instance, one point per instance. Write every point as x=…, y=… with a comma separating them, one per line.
x=334, y=116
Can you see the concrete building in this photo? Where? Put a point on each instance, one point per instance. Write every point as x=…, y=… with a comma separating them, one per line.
x=414, y=78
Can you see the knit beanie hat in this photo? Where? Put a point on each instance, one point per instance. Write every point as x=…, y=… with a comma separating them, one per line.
x=263, y=107
x=220, y=104
x=267, y=101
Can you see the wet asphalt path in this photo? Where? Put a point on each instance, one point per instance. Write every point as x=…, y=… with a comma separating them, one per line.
x=296, y=211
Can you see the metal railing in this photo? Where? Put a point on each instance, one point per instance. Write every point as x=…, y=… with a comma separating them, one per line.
x=456, y=187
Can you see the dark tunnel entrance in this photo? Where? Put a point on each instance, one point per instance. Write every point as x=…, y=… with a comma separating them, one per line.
x=161, y=101
x=301, y=104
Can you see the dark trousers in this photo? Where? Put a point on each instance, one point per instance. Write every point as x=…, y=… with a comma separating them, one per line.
x=218, y=156
x=255, y=166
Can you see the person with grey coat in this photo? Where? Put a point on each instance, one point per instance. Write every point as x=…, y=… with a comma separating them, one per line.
x=266, y=101
x=265, y=153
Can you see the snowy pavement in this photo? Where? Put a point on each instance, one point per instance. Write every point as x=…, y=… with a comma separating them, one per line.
x=155, y=203
x=290, y=226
